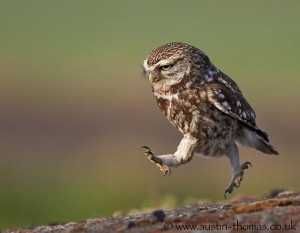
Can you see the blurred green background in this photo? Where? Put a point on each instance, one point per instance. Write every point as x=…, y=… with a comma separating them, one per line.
x=75, y=108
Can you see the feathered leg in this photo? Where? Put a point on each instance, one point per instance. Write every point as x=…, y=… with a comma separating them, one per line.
x=183, y=155
x=237, y=169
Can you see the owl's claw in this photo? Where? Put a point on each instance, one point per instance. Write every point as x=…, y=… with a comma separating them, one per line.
x=246, y=165
x=157, y=161
x=237, y=179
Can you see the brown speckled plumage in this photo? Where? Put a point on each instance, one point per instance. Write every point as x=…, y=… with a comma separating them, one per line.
x=205, y=105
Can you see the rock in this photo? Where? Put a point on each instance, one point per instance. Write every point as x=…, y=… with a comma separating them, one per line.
x=277, y=212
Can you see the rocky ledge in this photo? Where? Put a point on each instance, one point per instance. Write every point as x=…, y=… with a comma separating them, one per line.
x=277, y=212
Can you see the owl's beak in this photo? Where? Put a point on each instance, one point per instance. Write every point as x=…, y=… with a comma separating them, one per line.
x=152, y=78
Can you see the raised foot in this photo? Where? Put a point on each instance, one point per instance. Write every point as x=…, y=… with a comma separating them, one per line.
x=157, y=161
x=237, y=178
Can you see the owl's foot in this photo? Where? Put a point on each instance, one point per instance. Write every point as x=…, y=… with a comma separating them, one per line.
x=157, y=161
x=237, y=178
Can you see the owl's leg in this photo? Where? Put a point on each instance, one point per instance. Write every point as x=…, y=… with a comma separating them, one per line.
x=237, y=169
x=183, y=155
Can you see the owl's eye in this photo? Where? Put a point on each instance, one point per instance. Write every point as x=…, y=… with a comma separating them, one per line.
x=166, y=67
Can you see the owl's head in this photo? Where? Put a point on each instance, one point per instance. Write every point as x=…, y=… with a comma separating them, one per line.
x=172, y=63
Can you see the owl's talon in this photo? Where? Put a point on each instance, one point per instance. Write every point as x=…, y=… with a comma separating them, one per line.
x=146, y=147
x=246, y=165
x=148, y=151
x=237, y=179
x=166, y=170
x=157, y=161
x=235, y=183
x=229, y=190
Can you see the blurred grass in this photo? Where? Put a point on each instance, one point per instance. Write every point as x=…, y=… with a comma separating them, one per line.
x=75, y=108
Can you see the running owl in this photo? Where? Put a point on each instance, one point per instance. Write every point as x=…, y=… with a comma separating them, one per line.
x=206, y=106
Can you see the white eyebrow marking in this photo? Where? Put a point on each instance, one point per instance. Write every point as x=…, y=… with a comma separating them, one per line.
x=160, y=63
x=163, y=62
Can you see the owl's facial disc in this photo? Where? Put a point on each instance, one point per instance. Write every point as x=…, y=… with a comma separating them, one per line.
x=151, y=72
x=162, y=70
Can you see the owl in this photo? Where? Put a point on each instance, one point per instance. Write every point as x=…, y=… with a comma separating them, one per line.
x=206, y=106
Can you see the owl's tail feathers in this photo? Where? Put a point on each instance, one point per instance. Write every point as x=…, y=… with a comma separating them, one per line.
x=257, y=139
x=266, y=147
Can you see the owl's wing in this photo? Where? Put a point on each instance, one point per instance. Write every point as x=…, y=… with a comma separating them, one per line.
x=226, y=96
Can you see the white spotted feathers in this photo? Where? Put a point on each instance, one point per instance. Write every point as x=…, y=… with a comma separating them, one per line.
x=200, y=100
x=205, y=105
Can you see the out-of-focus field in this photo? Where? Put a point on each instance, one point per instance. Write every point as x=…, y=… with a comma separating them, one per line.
x=75, y=108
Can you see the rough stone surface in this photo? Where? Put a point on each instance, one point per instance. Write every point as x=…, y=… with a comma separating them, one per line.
x=277, y=212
